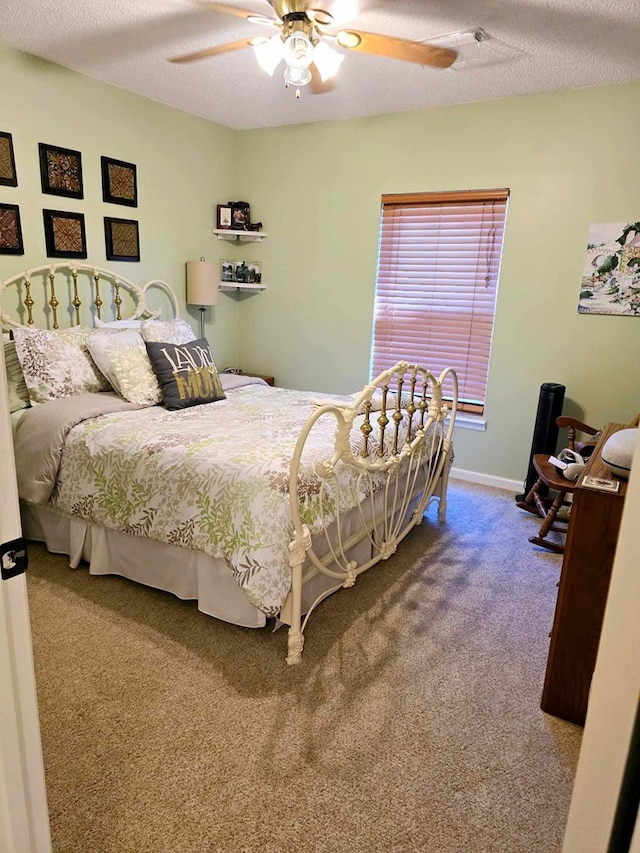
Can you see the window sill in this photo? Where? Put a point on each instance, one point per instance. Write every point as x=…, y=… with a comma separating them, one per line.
x=466, y=421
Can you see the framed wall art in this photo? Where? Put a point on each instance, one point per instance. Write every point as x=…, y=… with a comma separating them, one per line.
x=122, y=239
x=60, y=171
x=8, y=176
x=223, y=216
x=119, y=182
x=10, y=230
x=611, y=273
x=64, y=234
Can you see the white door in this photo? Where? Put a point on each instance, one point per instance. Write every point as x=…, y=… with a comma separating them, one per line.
x=24, y=820
x=614, y=695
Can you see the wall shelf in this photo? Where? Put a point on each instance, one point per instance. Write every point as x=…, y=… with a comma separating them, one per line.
x=239, y=236
x=245, y=288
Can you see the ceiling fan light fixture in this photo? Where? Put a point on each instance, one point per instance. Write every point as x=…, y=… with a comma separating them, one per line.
x=298, y=50
x=297, y=76
x=269, y=53
x=327, y=60
x=348, y=38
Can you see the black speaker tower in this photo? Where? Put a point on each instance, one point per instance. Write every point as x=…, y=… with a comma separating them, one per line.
x=545, y=431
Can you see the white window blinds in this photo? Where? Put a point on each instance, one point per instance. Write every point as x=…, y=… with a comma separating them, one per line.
x=438, y=265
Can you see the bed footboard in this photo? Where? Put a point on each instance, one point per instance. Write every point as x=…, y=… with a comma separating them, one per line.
x=391, y=459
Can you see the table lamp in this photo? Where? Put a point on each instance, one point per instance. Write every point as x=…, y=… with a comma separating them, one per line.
x=202, y=286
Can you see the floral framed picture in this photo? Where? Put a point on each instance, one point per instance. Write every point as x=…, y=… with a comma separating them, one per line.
x=119, y=182
x=8, y=176
x=10, y=230
x=122, y=239
x=64, y=234
x=60, y=171
x=611, y=272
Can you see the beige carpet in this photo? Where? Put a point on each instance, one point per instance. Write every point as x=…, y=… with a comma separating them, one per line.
x=413, y=723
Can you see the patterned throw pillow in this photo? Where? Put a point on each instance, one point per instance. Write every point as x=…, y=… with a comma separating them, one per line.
x=167, y=331
x=57, y=363
x=129, y=373
x=134, y=375
x=18, y=392
x=186, y=373
x=15, y=403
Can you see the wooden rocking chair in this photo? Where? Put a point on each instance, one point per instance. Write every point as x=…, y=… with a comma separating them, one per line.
x=538, y=501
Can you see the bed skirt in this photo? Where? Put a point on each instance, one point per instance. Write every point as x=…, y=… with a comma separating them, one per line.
x=189, y=575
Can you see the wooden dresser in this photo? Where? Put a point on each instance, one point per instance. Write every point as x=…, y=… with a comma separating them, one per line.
x=582, y=594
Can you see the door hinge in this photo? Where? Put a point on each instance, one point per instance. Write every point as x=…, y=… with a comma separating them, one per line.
x=13, y=558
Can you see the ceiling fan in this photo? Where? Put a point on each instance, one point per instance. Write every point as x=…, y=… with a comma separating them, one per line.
x=304, y=38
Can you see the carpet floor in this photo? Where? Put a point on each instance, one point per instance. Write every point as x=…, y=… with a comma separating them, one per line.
x=412, y=725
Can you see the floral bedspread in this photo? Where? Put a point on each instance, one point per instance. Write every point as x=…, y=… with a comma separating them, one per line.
x=212, y=478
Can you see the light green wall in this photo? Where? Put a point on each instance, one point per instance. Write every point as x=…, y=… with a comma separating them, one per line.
x=184, y=165
x=569, y=160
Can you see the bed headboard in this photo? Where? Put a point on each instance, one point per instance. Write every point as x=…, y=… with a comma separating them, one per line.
x=75, y=293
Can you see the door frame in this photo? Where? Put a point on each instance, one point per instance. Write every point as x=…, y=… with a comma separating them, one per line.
x=614, y=694
x=24, y=818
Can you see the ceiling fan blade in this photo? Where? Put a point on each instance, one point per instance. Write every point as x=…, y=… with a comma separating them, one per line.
x=319, y=86
x=211, y=51
x=394, y=48
x=232, y=10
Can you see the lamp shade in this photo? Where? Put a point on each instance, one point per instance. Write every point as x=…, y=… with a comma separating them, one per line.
x=202, y=283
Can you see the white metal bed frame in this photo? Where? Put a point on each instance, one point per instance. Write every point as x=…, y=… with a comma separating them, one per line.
x=397, y=435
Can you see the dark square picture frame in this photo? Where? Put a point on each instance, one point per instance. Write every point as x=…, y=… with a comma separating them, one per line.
x=64, y=234
x=122, y=239
x=60, y=171
x=119, y=182
x=223, y=217
x=8, y=175
x=10, y=230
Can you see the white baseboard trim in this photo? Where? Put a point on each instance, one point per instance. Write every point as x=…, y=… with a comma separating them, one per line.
x=487, y=480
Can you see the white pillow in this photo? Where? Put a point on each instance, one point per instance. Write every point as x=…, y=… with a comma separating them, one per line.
x=167, y=331
x=57, y=363
x=129, y=373
x=117, y=324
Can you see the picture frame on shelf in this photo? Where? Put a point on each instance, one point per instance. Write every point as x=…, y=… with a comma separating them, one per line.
x=223, y=216
x=241, y=272
x=10, y=230
x=119, y=182
x=227, y=272
x=60, y=171
x=240, y=215
x=255, y=272
x=122, y=239
x=8, y=175
x=64, y=234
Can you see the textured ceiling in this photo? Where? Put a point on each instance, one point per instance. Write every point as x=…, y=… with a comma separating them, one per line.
x=535, y=46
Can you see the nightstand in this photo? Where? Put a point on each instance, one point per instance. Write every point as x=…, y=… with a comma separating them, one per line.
x=270, y=380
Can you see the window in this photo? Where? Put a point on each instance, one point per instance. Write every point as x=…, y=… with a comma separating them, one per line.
x=438, y=265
